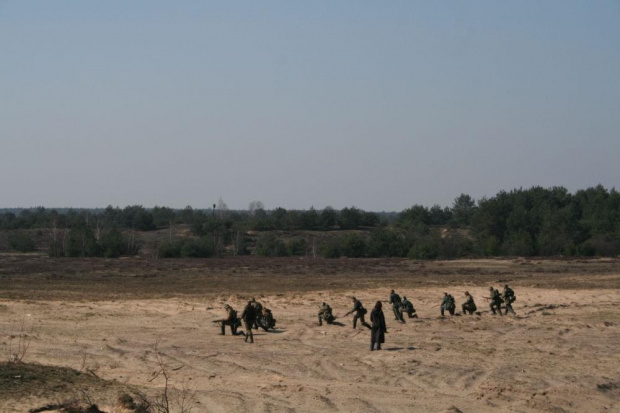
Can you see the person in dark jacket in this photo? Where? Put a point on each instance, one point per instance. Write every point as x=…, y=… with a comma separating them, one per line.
x=378, y=329
x=249, y=316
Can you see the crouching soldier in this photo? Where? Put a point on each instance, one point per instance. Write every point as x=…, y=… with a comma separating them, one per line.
x=325, y=314
x=469, y=306
x=447, y=304
x=407, y=308
x=230, y=320
x=267, y=321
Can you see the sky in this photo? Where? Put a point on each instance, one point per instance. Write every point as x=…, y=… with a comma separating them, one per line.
x=378, y=105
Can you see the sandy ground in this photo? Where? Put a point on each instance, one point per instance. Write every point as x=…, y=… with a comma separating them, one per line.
x=560, y=354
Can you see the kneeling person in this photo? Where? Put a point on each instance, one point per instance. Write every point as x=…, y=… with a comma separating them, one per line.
x=469, y=306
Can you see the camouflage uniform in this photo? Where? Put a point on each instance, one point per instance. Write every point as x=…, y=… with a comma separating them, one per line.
x=469, y=306
x=267, y=321
x=496, y=301
x=407, y=307
x=396, y=303
x=325, y=314
x=447, y=304
x=258, y=310
x=249, y=317
x=509, y=298
x=230, y=320
x=359, y=311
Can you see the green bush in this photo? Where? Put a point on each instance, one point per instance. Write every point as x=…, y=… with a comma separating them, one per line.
x=21, y=241
x=271, y=246
x=353, y=246
x=169, y=249
x=330, y=249
x=298, y=246
x=200, y=248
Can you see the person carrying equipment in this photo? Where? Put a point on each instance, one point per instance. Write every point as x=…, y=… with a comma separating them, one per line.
x=406, y=307
x=325, y=314
x=447, y=304
x=249, y=317
x=359, y=311
x=396, y=304
x=496, y=301
x=469, y=306
x=509, y=298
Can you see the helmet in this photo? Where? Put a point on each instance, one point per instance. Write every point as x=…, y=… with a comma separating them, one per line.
x=392, y=291
x=253, y=299
x=490, y=288
x=404, y=298
x=227, y=306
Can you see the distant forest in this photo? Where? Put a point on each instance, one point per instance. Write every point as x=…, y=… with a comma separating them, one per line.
x=523, y=222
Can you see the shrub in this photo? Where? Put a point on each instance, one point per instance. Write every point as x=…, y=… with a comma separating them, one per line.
x=298, y=246
x=21, y=241
x=330, y=249
x=353, y=246
x=271, y=246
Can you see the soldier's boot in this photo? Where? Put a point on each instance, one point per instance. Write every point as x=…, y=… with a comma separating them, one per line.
x=365, y=324
x=354, y=322
x=223, y=329
x=251, y=337
x=320, y=321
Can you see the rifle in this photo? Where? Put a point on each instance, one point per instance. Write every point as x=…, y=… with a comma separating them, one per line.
x=218, y=322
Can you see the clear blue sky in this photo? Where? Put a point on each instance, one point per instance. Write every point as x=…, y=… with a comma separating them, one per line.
x=380, y=105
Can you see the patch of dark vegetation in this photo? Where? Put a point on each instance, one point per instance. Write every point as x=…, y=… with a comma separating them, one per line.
x=19, y=380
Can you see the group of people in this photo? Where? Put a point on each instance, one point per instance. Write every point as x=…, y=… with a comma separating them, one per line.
x=255, y=315
x=378, y=326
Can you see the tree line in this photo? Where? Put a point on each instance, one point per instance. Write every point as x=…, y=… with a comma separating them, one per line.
x=522, y=222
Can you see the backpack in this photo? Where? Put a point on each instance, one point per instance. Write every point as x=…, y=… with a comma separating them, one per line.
x=363, y=311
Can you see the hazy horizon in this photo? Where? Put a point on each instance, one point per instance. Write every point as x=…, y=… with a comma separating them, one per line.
x=354, y=103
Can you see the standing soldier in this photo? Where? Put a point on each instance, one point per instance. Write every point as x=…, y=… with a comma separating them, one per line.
x=258, y=310
x=407, y=307
x=469, y=306
x=496, y=301
x=325, y=314
x=447, y=304
x=359, y=311
x=249, y=317
x=509, y=298
x=230, y=320
x=396, y=303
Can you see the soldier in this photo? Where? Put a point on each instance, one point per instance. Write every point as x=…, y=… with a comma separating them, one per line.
x=407, y=307
x=230, y=320
x=249, y=317
x=447, y=304
x=396, y=303
x=496, y=301
x=258, y=310
x=509, y=298
x=267, y=321
x=325, y=314
x=469, y=306
x=359, y=311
